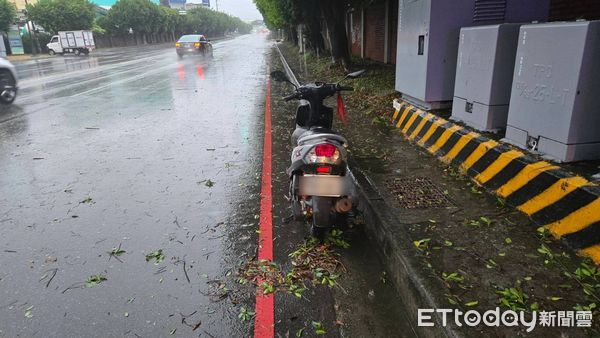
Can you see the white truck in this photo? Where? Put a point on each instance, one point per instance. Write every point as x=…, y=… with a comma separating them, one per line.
x=76, y=42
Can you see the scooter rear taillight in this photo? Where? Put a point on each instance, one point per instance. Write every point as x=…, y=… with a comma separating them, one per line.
x=323, y=170
x=325, y=149
x=323, y=153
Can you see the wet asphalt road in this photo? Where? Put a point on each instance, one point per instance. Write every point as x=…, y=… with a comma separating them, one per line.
x=138, y=149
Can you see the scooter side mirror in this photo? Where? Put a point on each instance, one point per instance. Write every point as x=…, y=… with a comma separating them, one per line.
x=355, y=74
x=279, y=76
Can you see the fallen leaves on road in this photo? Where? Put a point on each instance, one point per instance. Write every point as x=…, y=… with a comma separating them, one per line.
x=245, y=314
x=28, y=314
x=313, y=261
x=116, y=252
x=94, y=280
x=157, y=255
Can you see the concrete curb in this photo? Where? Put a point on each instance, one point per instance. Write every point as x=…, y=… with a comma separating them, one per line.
x=392, y=238
x=566, y=204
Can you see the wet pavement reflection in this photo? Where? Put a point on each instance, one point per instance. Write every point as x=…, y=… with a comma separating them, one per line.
x=132, y=148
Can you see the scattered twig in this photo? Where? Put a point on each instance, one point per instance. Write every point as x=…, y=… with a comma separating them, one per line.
x=183, y=321
x=78, y=285
x=185, y=272
x=54, y=272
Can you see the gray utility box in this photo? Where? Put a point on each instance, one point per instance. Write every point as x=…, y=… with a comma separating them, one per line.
x=555, y=100
x=428, y=40
x=484, y=71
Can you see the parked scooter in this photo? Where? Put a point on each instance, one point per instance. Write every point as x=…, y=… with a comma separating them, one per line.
x=319, y=184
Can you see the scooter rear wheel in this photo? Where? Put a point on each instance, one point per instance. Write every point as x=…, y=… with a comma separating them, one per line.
x=321, y=220
x=296, y=205
x=318, y=233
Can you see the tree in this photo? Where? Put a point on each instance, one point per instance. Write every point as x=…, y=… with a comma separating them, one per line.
x=332, y=13
x=287, y=14
x=60, y=15
x=271, y=13
x=155, y=22
x=212, y=23
x=170, y=20
x=7, y=15
x=139, y=15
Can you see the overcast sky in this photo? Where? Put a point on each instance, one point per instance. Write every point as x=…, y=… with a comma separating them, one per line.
x=244, y=9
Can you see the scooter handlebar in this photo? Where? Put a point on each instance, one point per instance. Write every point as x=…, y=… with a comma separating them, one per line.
x=325, y=89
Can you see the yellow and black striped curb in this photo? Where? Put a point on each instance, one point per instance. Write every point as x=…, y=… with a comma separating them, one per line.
x=566, y=204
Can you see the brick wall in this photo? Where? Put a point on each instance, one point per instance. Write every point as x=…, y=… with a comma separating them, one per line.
x=355, y=33
x=374, y=31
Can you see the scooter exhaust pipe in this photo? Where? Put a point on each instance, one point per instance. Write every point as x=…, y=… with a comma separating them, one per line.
x=343, y=205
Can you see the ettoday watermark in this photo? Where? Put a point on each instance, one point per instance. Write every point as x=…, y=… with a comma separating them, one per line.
x=507, y=318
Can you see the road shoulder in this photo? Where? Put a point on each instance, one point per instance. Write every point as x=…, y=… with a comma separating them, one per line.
x=446, y=243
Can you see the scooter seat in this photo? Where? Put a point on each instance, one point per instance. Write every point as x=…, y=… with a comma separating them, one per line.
x=321, y=130
x=315, y=134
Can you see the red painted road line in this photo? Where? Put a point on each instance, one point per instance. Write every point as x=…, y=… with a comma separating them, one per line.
x=264, y=321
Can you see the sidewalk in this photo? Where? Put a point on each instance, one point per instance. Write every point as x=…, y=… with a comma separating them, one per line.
x=445, y=241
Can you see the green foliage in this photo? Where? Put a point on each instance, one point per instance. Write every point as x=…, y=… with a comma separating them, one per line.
x=270, y=12
x=140, y=15
x=335, y=238
x=513, y=298
x=7, y=15
x=245, y=314
x=318, y=327
x=203, y=20
x=158, y=256
x=97, y=26
x=145, y=17
x=94, y=280
x=59, y=15
x=452, y=277
x=283, y=13
x=42, y=38
x=26, y=39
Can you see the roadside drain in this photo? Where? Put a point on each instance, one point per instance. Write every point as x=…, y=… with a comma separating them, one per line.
x=417, y=193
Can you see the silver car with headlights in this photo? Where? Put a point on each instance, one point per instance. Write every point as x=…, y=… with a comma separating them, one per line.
x=8, y=82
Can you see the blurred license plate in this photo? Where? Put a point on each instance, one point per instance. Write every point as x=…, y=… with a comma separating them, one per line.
x=323, y=185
